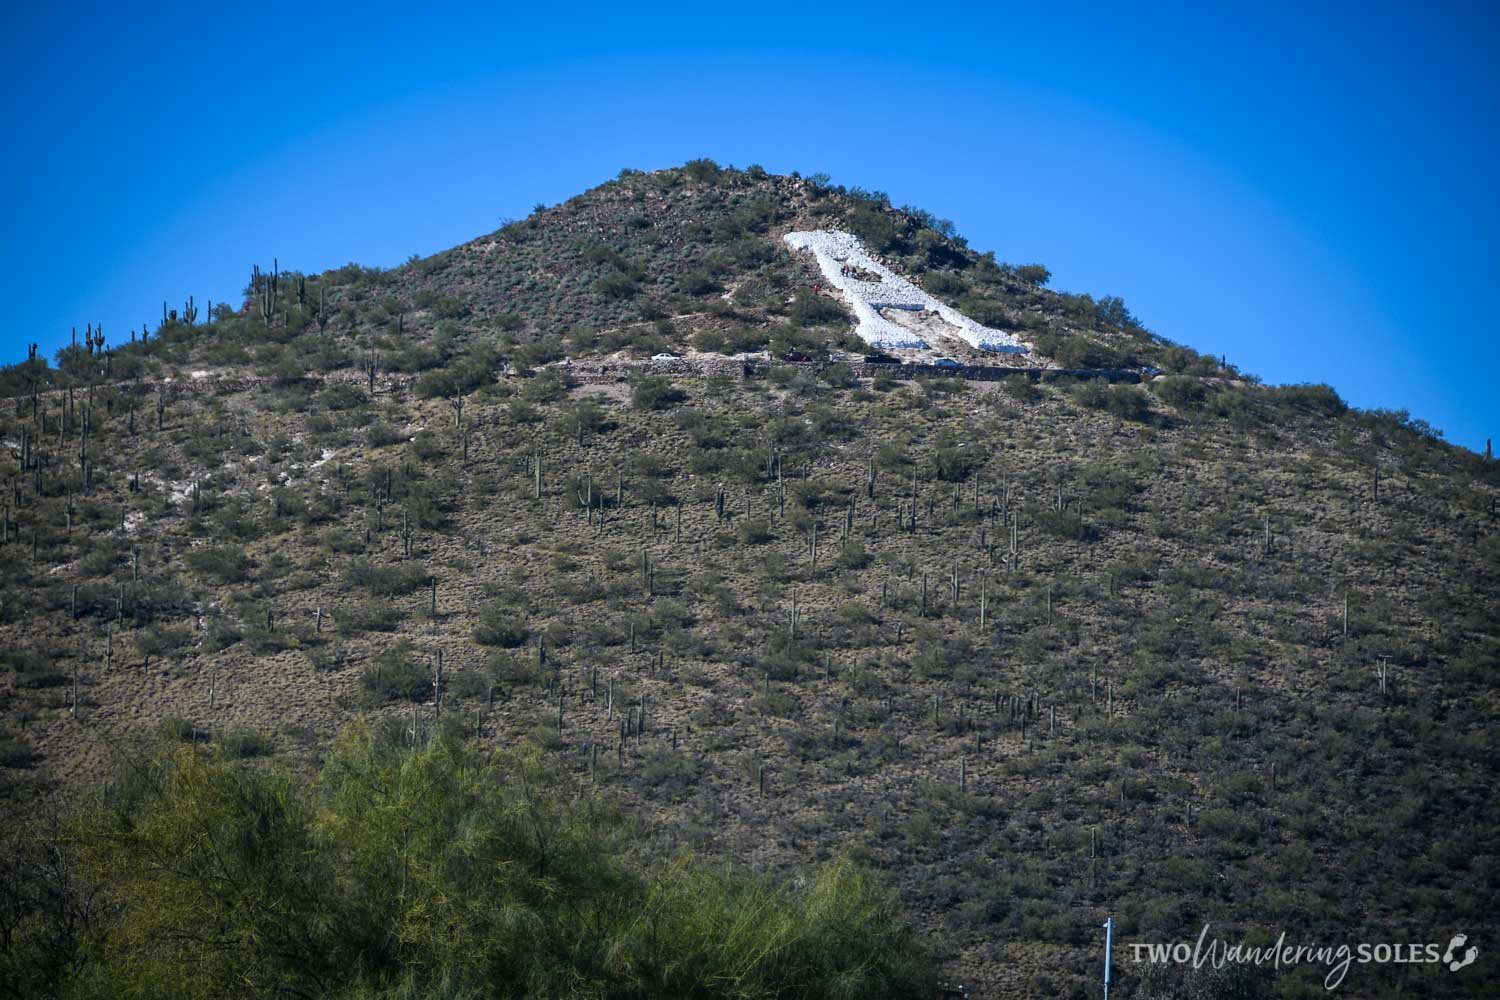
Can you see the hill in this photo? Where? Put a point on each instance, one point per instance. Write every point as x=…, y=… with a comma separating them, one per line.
x=1037, y=650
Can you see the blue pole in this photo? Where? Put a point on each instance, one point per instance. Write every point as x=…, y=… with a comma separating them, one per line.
x=1109, y=943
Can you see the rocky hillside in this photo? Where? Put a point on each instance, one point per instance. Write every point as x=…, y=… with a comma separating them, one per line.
x=1036, y=651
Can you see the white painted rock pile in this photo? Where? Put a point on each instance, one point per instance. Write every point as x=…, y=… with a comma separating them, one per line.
x=843, y=261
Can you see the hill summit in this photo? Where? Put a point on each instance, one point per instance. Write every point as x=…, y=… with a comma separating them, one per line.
x=1080, y=624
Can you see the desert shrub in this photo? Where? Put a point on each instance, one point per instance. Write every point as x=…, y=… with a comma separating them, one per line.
x=1320, y=399
x=381, y=434
x=1182, y=391
x=703, y=171
x=460, y=375
x=1236, y=406
x=160, y=641
x=519, y=411
x=245, y=743
x=839, y=376
x=1073, y=351
x=342, y=396
x=954, y=460
x=1080, y=352
x=655, y=392
x=1112, y=312
x=1034, y=274
x=699, y=283
x=944, y=284
x=427, y=445
x=175, y=728
x=236, y=520
x=1092, y=393
x=711, y=341
x=812, y=309
x=1064, y=524
x=1128, y=403
x=1021, y=389
x=585, y=417
x=411, y=357
x=368, y=616
x=500, y=625
x=617, y=286
x=16, y=751
x=873, y=226
x=852, y=555
x=397, y=675
x=385, y=581
x=754, y=531
x=224, y=564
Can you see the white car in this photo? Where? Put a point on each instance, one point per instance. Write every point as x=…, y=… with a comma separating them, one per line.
x=663, y=357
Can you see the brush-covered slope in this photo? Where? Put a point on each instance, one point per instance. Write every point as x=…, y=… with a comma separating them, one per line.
x=1195, y=651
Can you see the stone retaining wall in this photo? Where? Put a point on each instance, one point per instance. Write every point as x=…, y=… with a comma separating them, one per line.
x=591, y=373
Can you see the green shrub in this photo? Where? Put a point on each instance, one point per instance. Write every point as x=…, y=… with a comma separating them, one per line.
x=381, y=434
x=17, y=752
x=617, y=286
x=368, y=616
x=396, y=675
x=1064, y=524
x=811, y=309
x=703, y=171
x=1181, y=391
x=699, y=283
x=711, y=341
x=754, y=531
x=1034, y=274
x=1021, y=389
x=655, y=392
x=873, y=226
x=1320, y=399
x=342, y=396
x=500, y=625
x=224, y=564
x=405, y=873
x=1093, y=393
x=1074, y=351
x=853, y=555
x=245, y=743
x=386, y=581
x=1128, y=403
x=944, y=283
x=175, y=729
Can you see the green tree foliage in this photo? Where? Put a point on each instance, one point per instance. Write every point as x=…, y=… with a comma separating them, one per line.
x=1034, y=274
x=441, y=871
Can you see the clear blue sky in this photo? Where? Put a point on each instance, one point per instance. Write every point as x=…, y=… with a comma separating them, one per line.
x=1309, y=191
